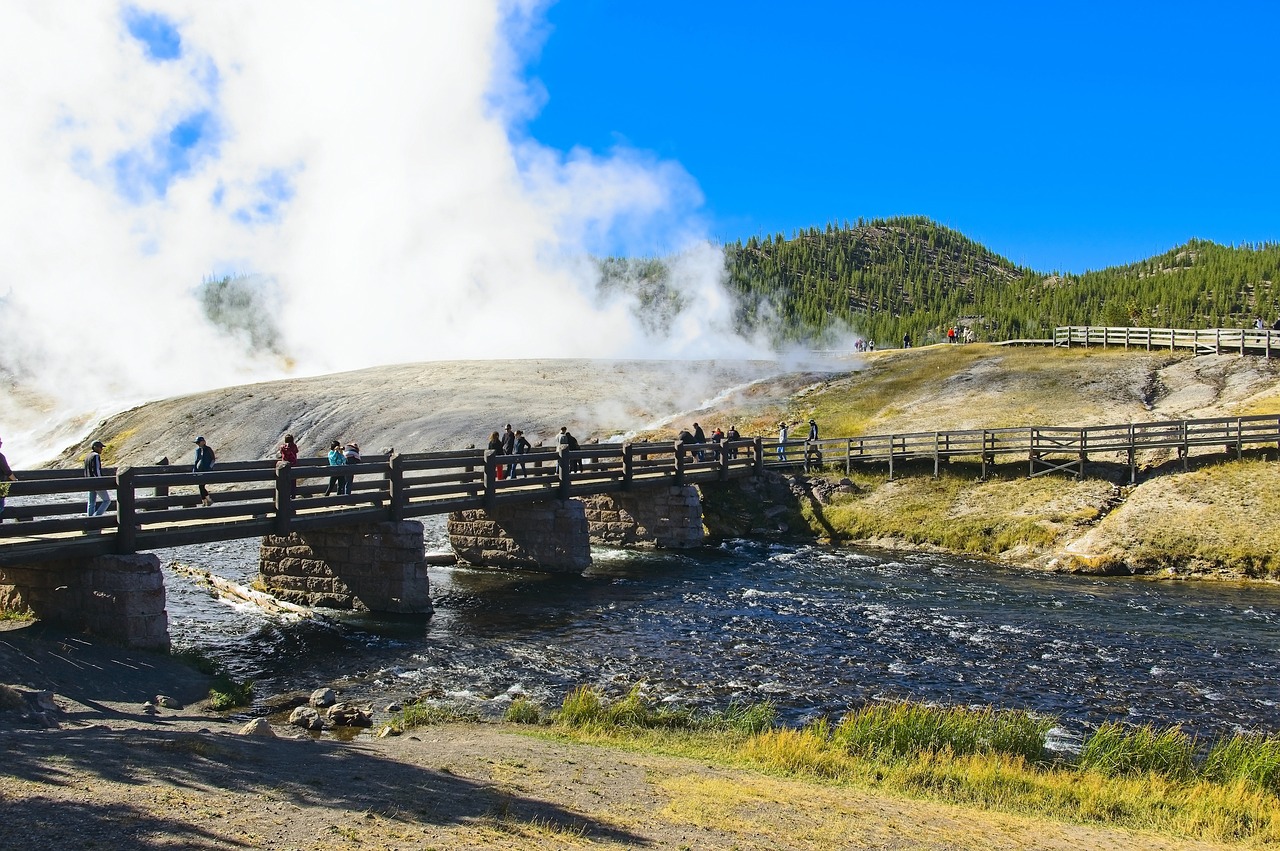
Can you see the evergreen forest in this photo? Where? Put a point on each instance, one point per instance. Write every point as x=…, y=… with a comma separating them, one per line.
x=884, y=278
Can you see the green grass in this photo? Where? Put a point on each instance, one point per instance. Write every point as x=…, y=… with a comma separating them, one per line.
x=225, y=692
x=523, y=711
x=1135, y=778
x=416, y=715
x=17, y=615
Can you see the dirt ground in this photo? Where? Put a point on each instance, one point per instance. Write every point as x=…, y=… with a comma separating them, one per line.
x=106, y=775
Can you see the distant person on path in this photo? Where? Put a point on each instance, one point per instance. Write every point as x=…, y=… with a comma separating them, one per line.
x=509, y=447
x=951, y=334
x=521, y=447
x=336, y=459
x=906, y=341
x=98, y=500
x=495, y=446
x=1257, y=323
x=968, y=334
x=1275, y=326
x=782, y=440
x=730, y=436
x=352, y=455
x=812, y=451
x=569, y=443
x=288, y=453
x=6, y=475
x=204, y=463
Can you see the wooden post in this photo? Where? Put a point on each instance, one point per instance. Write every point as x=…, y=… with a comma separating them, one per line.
x=628, y=466
x=848, y=456
x=283, y=498
x=1185, y=449
x=490, y=477
x=162, y=490
x=126, y=516
x=1239, y=439
x=1083, y=456
x=891, y=440
x=395, y=487
x=1148, y=339
x=984, y=454
x=1133, y=455
x=758, y=449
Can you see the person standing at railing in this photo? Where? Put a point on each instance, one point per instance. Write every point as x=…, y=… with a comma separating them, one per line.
x=509, y=447
x=782, y=440
x=520, y=447
x=352, y=454
x=6, y=476
x=288, y=453
x=98, y=500
x=812, y=451
x=203, y=464
x=1258, y=324
x=336, y=459
x=1275, y=326
x=730, y=436
x=495, y=446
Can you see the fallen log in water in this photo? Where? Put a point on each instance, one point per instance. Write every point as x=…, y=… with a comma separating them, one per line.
x=229, y=590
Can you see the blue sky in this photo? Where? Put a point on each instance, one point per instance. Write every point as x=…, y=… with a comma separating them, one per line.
x=1063, y=136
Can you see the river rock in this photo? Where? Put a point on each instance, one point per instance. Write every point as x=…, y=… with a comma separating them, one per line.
x=307, y=718
x=347, y=715
x=322, y=697
x=258, y=727
x=167, y=702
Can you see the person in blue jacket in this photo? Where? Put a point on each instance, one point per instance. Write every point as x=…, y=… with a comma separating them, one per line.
x=204, y=463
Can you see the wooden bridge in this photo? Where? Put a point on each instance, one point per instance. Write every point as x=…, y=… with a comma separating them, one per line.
x=159, y=506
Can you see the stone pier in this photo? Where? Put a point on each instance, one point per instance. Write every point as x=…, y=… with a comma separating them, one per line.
x=547, y=536
x=380, y=567
x=662, y=517
x=116, y=597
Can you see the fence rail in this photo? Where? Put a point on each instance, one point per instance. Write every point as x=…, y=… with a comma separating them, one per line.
x=161, y=506
x=1203, y=341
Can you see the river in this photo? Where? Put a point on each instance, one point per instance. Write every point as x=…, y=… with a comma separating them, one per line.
x=816, y=630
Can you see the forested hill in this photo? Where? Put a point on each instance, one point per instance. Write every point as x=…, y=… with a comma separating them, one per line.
x=889, y=277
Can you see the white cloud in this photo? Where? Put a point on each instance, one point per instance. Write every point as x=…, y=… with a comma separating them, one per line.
x=358, y=156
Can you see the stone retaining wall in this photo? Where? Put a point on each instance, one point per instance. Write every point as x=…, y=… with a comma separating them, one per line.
x=665, y=517
x=120, y=598
x=380, y=567
x=546, y=536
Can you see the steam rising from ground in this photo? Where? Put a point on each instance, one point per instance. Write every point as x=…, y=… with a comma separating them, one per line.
x=355, y=175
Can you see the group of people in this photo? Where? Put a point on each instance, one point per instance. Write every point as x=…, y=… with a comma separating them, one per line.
x=512, y=442
x=698, y=436
x=1259, y=325
x=342, y=456
x=811, y=444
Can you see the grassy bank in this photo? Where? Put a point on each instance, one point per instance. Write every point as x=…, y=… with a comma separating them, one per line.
x=1134, y=778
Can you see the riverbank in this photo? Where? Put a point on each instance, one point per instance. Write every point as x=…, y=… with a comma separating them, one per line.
x=1214, y=521
x=107, y=774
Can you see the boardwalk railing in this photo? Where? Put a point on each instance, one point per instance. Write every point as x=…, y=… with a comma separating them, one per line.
x=1047, y=449
x=160, y=506
x=1203, y=341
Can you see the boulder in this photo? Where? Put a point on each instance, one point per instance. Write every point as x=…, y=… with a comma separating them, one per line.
x=348, y=715
x=307, y=718
x=258, y=727
x=322, y=697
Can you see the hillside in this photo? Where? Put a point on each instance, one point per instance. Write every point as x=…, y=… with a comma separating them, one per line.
x=890, y=277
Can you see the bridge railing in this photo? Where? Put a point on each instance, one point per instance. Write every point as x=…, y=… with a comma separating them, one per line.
x=1204, y=340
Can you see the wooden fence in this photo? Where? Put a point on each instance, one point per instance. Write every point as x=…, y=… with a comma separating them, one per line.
x=1047, y=449
x=160, y=506
x=1203, y=341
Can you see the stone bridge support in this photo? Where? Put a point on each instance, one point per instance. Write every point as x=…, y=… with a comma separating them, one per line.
x=380, y=567
x=550, y=536
x=116, y=597
x=662, y=517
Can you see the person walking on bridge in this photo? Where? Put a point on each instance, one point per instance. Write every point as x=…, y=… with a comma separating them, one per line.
x=782, y=440
x=336, y=459
x=522, y=447
x=98, y=500
x=509, y=447
x=203, y=464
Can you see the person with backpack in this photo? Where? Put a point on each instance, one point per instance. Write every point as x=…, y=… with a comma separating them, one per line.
x=351, y=453
x=204, y=463
x=98, y=500
x=336, y=459
x=729, y=437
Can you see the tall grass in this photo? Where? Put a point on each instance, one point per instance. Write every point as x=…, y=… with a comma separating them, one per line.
x=1251, y=759
x=584, y=707
x=1118, y=751
x=902, y=729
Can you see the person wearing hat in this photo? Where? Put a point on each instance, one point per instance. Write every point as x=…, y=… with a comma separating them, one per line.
x=204, y=463
x=813, y=429
x=98, y=500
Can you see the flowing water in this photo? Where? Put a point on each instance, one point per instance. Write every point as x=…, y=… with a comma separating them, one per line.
x=815, y=630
